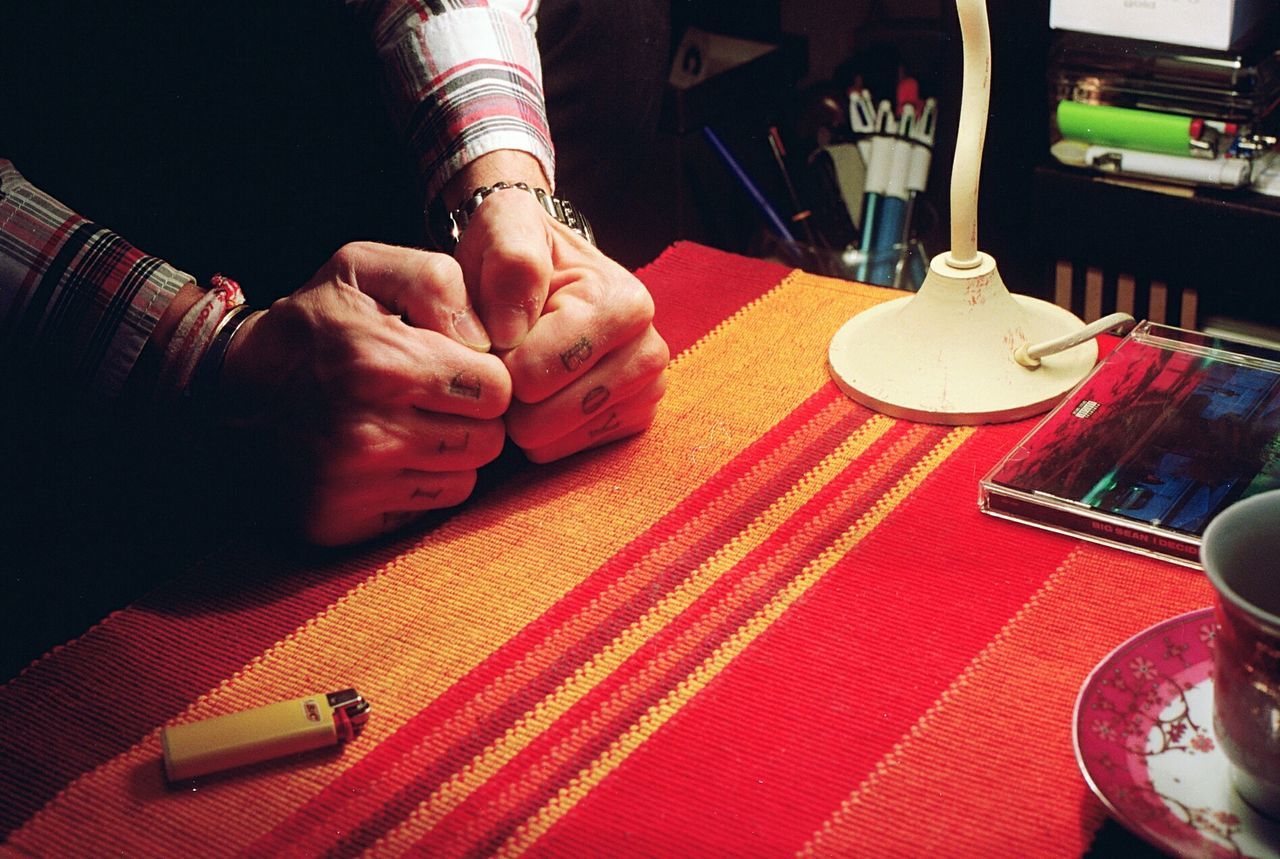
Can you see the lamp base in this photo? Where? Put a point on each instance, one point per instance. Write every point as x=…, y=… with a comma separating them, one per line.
x=945, y=354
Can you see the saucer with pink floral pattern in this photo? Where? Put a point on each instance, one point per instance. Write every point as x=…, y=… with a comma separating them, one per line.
x=1144, y=741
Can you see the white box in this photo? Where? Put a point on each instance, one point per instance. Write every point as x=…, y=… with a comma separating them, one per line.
x=1217, y=24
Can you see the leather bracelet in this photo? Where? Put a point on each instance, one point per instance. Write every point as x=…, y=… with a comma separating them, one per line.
x=559, y=209
x=202, y=390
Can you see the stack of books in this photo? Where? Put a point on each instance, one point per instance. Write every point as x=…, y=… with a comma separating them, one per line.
x=1165, y=112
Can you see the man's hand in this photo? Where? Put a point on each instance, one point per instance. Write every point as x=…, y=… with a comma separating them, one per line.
x=372, y=382
x=505, y=255
x=586, y=364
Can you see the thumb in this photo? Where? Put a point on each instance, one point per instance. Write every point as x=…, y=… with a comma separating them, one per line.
x=505, y=256
x=425, y=289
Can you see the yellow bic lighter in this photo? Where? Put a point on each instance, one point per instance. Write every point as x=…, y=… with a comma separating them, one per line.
x=286, y=728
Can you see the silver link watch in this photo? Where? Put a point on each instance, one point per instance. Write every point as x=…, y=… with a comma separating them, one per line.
x=559, y=209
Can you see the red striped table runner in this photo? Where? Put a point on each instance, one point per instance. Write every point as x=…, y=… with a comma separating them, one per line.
x=774, y=624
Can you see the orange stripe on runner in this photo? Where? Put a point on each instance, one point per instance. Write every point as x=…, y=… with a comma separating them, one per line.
x=833, y=684
x=1014, y=692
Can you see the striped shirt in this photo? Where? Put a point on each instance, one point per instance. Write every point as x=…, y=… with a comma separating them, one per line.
x=465, y=79
x=79, y=302
x=75, y=299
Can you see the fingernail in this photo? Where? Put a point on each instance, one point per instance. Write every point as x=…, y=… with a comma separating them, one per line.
x=469, y=330
x=508, y=325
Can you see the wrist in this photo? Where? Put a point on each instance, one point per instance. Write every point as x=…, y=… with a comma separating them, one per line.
x=204, y=393
x=557, y=209
x=248, y=380
x=502, y=165
x=508, y=166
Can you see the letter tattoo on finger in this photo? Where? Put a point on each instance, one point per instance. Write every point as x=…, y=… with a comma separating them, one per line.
x=431, y=494
x=445, y=447
x=576, y=355
x=593, y=399
x=610, y=424
x=465, y=385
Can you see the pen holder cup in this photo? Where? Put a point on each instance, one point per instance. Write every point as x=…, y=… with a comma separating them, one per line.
x=902, y=266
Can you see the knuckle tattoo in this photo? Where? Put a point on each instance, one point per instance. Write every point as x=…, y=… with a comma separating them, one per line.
x=446, y=447
x=594, y=399
x=465, y=384
x=610, y=424
x=576, y=355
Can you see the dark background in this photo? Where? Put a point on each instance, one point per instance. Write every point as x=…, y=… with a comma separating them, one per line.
x=252, y=139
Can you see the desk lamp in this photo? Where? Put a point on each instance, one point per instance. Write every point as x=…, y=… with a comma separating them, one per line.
x=964, y=350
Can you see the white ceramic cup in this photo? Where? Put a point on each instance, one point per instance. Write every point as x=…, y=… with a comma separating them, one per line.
x=1241, y=556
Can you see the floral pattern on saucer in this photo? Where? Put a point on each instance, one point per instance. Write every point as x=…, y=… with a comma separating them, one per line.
x=1144, y=740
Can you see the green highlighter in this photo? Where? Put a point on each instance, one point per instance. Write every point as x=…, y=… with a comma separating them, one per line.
x=1129, y=129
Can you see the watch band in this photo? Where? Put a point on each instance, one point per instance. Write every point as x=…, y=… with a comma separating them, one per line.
x=559, y=209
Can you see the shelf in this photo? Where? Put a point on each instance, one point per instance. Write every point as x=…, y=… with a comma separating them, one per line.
x=1221, y=245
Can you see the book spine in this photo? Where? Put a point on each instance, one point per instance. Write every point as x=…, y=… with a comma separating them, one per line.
x=1088, y=525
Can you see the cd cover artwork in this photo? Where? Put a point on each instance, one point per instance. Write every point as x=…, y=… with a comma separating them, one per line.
x=1169, y=429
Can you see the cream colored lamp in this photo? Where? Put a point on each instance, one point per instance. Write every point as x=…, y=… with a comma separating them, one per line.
x=964, y=350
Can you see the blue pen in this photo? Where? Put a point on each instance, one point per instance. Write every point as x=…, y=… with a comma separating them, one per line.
x=775, y=222
x=877, y=181
x=893, y=205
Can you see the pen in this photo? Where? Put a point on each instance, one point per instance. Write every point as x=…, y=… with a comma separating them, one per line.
x=770, y=216
x=862, y=113
x=1144, y=130
x=779, y=156
x=909, y=93
x=250, y=736
x=893, y=204
x=877, y=181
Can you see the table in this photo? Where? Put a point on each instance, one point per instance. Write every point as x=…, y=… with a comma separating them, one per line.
x=775, y=623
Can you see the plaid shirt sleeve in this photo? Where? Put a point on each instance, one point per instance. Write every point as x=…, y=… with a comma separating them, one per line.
x=75, y=299
x=465, y=79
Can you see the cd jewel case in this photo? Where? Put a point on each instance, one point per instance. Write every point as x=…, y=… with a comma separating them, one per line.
x=1170, y=428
